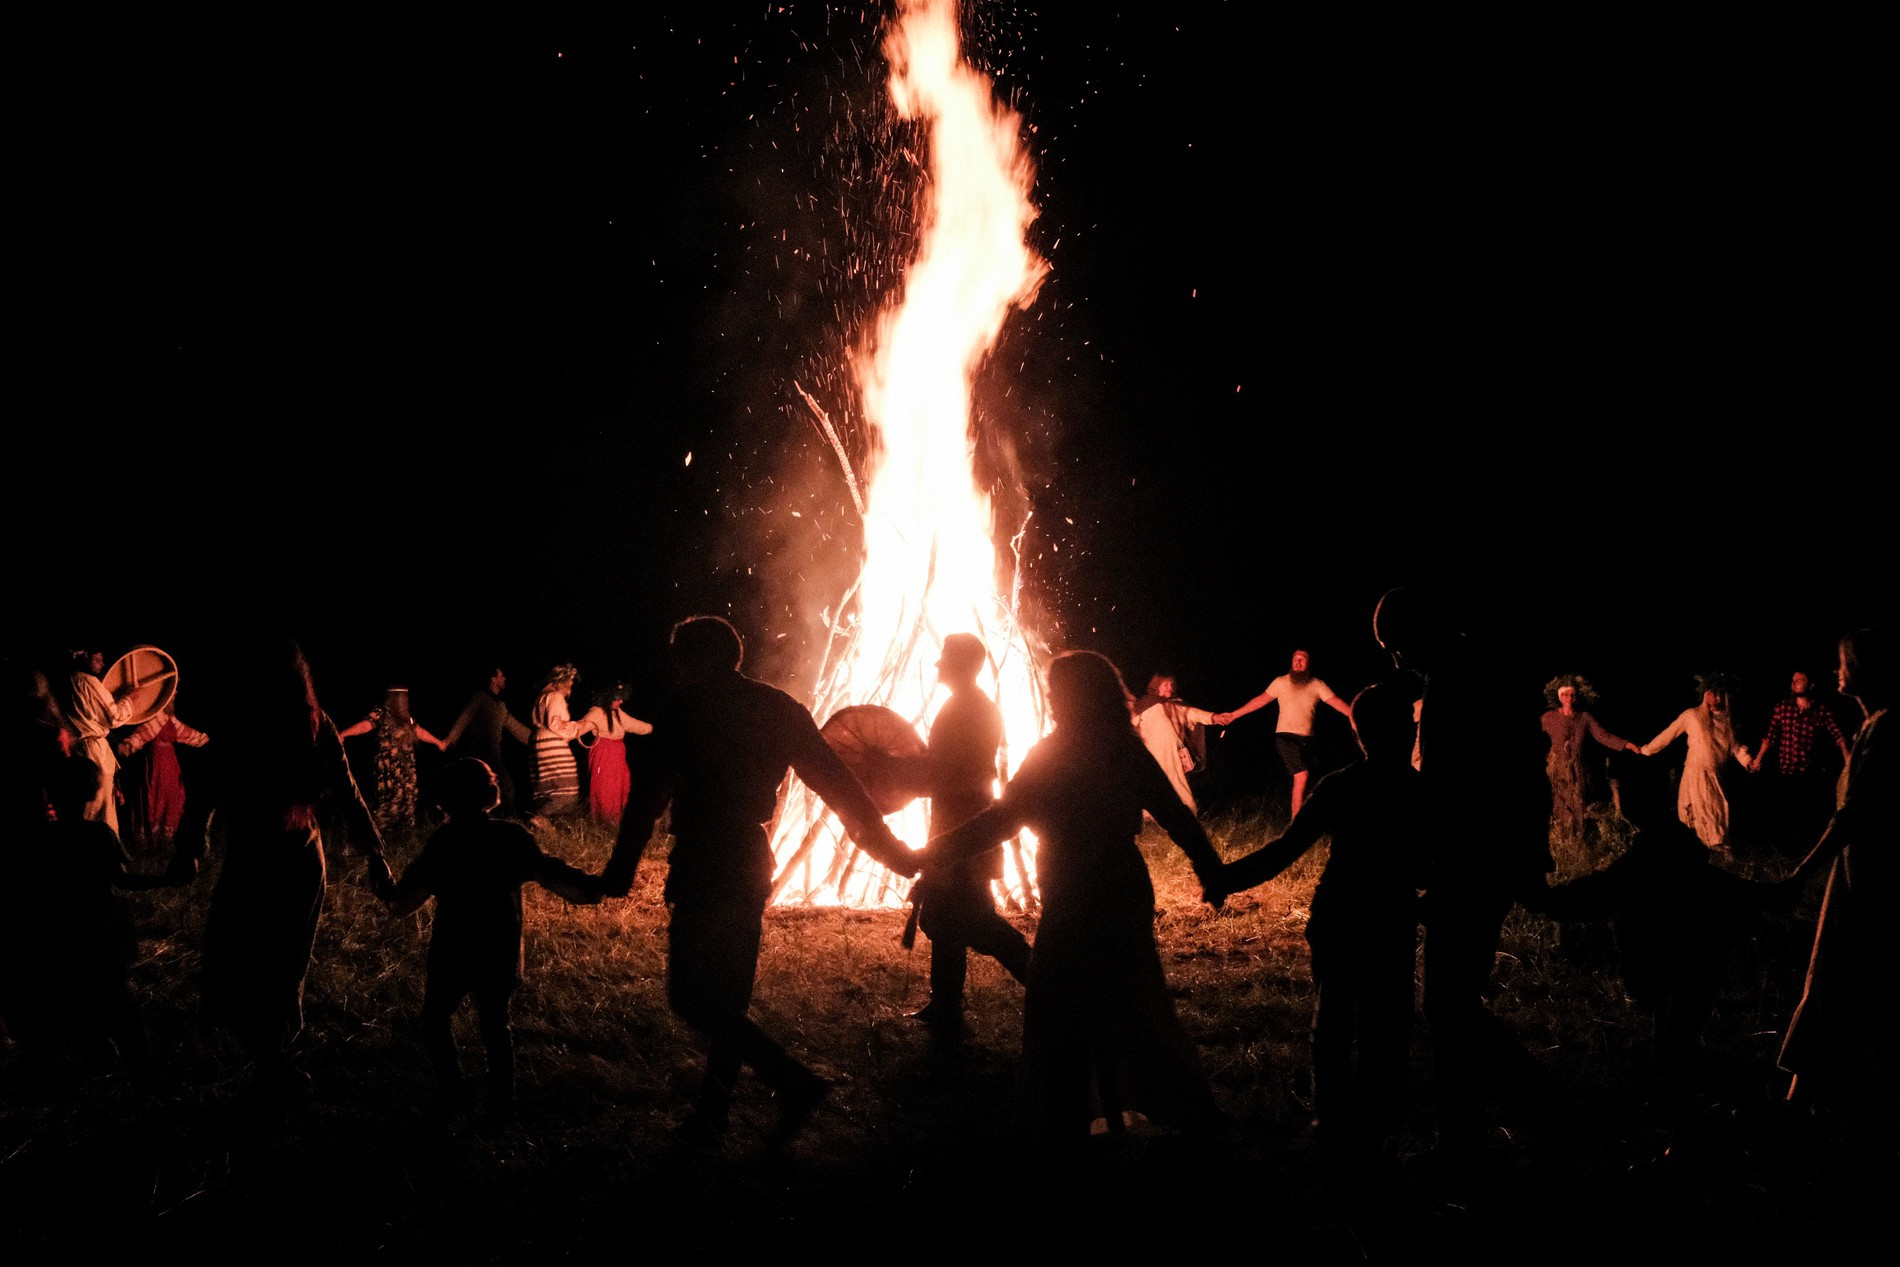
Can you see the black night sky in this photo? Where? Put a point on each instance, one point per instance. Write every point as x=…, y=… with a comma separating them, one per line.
x=399, y=333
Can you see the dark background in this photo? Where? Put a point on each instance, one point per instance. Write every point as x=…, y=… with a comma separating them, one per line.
x=398, y=334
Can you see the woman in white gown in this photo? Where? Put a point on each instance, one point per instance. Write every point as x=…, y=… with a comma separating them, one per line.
x=1167, y=726
x=1709, y=728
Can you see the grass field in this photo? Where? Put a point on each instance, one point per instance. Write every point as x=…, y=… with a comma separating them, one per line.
x=913, y=1154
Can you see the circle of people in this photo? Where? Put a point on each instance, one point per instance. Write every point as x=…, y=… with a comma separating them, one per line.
x=1423, y=831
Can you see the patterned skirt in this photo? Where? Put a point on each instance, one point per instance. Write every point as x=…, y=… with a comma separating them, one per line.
x=557, y=776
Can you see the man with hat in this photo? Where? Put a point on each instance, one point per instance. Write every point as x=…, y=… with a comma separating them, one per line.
x=956, y=911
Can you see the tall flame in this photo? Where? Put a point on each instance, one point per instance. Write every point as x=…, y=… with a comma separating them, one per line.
x=930, y=557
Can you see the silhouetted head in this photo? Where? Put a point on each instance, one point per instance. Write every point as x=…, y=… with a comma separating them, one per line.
x=962, y=658
x=467, y=788
x=1413, y=626
x=611, y=696
x=706, y=645
x=1383, y=723
x=1866, y=667
x=1087, y=694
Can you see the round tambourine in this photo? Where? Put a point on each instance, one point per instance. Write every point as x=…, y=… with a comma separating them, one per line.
x=152, y=677
x=883, y=750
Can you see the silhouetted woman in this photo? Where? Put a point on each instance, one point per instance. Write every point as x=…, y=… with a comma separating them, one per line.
x=1100, y=1035
x=1843, y=1045
x=264, y=810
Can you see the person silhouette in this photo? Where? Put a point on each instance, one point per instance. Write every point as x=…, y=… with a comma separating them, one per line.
x=1101, y=1039
x=1363, y=931
x=955, y=911
x=1843, y=1042
x=474, y=866
x=1492, y=830
x=1676, y=917
x=265, y=797
x=720, y=747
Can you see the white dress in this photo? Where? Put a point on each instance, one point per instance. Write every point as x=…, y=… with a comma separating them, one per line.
x=1160, y=726
x=1700, y=802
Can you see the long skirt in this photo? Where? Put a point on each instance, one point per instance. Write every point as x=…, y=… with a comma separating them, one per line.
x=557, y=776
x=608, y=780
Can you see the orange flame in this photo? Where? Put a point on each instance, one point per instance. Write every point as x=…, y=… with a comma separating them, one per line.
x=930, y=558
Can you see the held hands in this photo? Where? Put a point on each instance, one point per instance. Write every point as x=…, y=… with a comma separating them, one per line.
x=1214, y=886
x=1223, y=719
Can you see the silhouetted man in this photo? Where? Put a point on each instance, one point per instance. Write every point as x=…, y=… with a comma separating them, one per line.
x=1492, y=817
x=957, y=912
x=719, y=750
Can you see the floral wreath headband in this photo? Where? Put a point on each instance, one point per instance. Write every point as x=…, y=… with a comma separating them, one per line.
x=1586, y=694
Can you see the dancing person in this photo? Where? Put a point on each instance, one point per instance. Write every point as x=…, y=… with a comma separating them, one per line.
x=1492, y=809
x=1363, y=931
x=956, y=910
x=608, y=776
x=1801, y=783
x=397, y=734
x=266, y=797
x=1299, y=694
x=94, y=713
x=1173, y=732
x=1567, y=722
x=1708, y=730
x=720, y=748
x=157, y=803
x=1843, y=1044
x=1101, y=1039
x=477, y=733
x=1676, y=918
x=555, y=784
x=474, y=867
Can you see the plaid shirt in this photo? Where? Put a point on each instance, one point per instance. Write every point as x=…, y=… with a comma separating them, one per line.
x=1788, y=747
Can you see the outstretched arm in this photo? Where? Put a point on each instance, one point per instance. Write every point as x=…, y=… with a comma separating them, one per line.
x=1339, y=706
x=1253, y=705
x=826, y=774
x=360, y=728
x=422, y=733
x=1267, y=862
x=1667, y=737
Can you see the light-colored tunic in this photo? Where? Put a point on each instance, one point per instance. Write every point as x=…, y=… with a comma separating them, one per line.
x=93, y=713
x=557, y=776
x=1298, y=702
x=1700, y=802
x=1161, y=726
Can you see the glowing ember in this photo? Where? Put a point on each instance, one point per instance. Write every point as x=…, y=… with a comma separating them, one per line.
x=930, y=558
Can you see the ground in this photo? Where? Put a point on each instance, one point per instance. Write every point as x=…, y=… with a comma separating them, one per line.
x=913, y=1150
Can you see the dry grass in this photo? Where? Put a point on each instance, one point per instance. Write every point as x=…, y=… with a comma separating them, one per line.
x=915, y=1148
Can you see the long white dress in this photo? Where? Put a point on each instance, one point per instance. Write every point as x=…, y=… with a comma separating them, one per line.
x=1161, y=727
x=1700, y=802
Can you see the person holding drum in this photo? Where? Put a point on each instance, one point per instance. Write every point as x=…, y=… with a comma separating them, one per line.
x=94, y=712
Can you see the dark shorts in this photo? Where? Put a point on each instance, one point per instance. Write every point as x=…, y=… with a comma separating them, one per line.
x=1294, y=750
